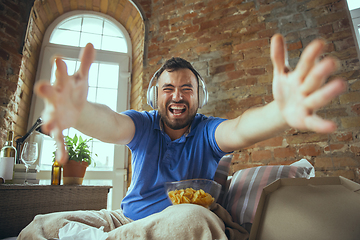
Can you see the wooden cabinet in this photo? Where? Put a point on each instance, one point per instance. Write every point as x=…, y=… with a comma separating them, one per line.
x=19, y=203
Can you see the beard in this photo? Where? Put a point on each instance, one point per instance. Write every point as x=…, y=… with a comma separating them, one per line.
x=177, y=123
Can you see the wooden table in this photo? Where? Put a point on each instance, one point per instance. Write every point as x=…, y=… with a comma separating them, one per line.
x=20, y=203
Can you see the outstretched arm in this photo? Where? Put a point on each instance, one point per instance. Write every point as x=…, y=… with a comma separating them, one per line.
x=66, y=106
x=297, y=95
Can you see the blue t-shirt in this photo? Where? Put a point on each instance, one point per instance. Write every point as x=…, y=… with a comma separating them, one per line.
x=156, y=160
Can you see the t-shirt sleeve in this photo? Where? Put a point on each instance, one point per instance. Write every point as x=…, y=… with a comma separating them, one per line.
x=141, y=122
x=212, y=124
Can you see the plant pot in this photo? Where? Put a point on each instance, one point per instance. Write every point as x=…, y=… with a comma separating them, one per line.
x=74, y=172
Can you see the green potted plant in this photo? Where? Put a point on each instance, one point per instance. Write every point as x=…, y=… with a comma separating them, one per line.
x=79, y=159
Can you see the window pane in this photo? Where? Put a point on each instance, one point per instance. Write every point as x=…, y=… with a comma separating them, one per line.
x=107, y=97
x=108, y=76
x=114, y=44
x=77, y=66
x=65, y=132
x=80, y=31
x=92, y=25
x=105, y=155
x=52, y=78
x=65, y=37
x=46, y=153
x=93, y=74
x=73, y=131
x=90, y=38
x=111, y=30
x=91, y=94
x=353, y=4
x=72, y=24
x=70, y=64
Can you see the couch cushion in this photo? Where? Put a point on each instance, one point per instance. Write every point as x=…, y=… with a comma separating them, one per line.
x=221, y=175
x=246, y=185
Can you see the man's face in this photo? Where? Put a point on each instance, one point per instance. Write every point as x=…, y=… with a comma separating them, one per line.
x=177, y=98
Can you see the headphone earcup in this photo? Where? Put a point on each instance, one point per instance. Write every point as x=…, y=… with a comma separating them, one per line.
x=152, y=97
x=201, y=96
x=203, y=93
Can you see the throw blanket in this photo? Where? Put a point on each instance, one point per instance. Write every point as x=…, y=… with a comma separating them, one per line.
x=184, y=221
x=232, y=229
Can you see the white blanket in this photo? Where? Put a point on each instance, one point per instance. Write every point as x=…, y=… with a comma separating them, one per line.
x=180, y=222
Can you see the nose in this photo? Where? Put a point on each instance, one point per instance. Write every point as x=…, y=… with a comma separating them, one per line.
x=177, y=95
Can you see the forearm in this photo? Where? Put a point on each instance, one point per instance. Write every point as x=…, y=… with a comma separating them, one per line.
x=99, y=121
x=254, y=125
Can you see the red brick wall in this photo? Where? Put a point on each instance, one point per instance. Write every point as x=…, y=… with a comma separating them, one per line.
x=13, y=20
x=228, y=42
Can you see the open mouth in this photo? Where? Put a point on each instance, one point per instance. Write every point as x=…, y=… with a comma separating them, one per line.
x=177, y=109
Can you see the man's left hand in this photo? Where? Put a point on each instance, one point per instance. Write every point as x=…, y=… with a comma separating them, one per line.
x=301, y=92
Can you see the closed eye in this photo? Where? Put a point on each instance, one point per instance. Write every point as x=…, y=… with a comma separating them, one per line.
x=171, y=88
x=187, y=89
x=167, y=89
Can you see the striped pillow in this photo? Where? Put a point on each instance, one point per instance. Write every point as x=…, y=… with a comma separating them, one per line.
x=243, y=196
x=221, y=175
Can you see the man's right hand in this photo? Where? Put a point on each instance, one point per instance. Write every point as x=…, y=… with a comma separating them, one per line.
x=65, y=100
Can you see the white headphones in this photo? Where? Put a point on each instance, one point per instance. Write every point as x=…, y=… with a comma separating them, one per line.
x=152, y=92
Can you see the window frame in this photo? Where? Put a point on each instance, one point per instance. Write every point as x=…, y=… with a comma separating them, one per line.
x=48, y=50
x=355, y=18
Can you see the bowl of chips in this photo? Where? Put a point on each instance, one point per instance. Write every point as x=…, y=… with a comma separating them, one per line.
x=203, y=192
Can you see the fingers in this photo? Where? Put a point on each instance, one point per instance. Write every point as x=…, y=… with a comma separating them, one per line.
x=278, y=53
x=48, y=116
x=61, y=153
x=308, y=58
x=49, y=94
x=317, y=124
x=324, y=95
x=54, y=114
x=87, y=57
x=318, y=74
x=44, y=90
x=61, y=74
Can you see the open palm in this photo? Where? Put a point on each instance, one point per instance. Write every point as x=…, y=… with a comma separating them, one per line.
x=301, y=92
x=65, y=99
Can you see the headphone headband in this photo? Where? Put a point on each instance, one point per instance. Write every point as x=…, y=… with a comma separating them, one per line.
x=153, y=90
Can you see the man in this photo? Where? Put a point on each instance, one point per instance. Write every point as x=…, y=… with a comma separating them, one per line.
x=174, y=142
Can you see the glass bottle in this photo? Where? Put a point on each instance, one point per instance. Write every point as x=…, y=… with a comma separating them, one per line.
x=8, y=155
x=56, y=173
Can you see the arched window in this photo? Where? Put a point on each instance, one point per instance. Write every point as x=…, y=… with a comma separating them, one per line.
x=109, y=81
x=78, y=30
x=354, y=8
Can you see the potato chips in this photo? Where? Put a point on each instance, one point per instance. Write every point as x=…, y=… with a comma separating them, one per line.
x=189, y=195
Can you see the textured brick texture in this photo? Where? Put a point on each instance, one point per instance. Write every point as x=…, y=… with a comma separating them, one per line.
x=13, y=21
x=228, y=43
